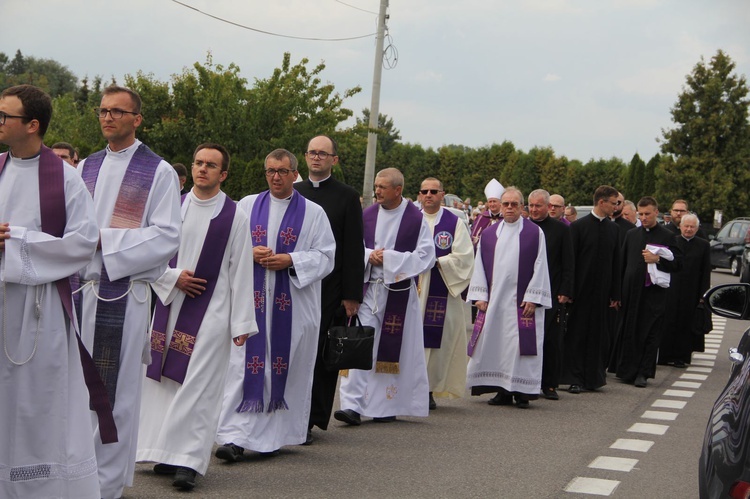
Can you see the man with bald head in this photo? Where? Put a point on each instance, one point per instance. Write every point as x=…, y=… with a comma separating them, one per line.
x=398, y=247
x=557, y=208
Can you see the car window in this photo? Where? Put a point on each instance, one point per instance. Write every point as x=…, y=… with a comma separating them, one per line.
x=734, y=232
x=724, y=231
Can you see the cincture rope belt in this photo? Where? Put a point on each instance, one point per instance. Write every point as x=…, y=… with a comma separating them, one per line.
x=382, y=283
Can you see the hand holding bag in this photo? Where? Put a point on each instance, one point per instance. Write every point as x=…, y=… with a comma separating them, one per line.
x=348, y=345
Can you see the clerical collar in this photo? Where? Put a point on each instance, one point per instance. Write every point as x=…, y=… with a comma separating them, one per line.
x=316, y=183
x=123, y=151
x=10, y=153
x=597, y=216
x=687, y=238
x=495, y=216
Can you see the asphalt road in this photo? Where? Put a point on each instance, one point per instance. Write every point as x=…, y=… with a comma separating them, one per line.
x=467, y=448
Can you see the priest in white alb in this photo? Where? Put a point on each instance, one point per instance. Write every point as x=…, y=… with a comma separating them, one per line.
x=48, y=231
x=398, y=247
x=511, y=288
x=269, y=382
x=204, y=306
x=444, y=310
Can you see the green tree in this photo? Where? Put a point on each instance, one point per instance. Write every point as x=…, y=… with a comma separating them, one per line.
x=649, y=176
x=48, y=74
x=710, y=141
x=635, y=187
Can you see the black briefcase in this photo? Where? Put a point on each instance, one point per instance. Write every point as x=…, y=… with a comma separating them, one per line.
x=348, y=345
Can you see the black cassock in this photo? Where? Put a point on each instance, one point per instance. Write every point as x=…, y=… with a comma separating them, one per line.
x=342, y=206
x=597, y=281
x=683, y=319
x=561, y=265
x=641, y=320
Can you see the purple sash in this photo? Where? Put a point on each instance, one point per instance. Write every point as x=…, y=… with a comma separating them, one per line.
x=437, y=295
x=53, y=218
x=528, y=249
x=392, y=329
x=193, y=310
x=281, y=316
x=127, y=214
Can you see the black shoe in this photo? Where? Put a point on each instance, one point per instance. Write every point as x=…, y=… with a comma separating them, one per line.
x=184, y=478
x=230, y=453
x=165, y=469
x=386, y=419
x=433, y=404
x=574, y=389
x=501, y=399
x=522, y=403
x=680, y=364
x=348, y=416
x=550, y=393
x=309, y=439
x=640, y=381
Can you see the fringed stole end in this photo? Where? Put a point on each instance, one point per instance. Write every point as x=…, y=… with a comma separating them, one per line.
x=251, y=406
x=277, y=405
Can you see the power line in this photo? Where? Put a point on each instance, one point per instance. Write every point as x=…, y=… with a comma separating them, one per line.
x=270, y=33
x=355, y=7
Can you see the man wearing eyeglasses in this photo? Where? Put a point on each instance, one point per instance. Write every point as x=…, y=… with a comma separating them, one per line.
x=138, y=211
x=269, y=383
x=557, y=208
x=511, y=288
x=679, y=210
x=443, y=310
x=47, y=232
x=342, y=288
x=203, y=308
x=398, y=247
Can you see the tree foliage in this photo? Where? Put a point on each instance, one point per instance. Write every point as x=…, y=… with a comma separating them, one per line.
x=48, y=74
x=709, y=145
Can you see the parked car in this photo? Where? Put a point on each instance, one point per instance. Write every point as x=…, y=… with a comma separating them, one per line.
x=724, y=466
x=728, y=245
x=582, y=211
x=745, y=267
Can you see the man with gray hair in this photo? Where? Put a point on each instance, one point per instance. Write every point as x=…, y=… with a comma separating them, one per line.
x=511, y=288
x=685, y=314
x=398, y=247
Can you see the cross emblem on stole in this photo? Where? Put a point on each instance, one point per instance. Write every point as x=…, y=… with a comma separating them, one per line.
x=256, y=364
x=282, y=301
x=527, y=321
x=259, y=299
x=258, y=233
x=436, y=311
x=287, y=235
x=392, y=324
x=279, y=365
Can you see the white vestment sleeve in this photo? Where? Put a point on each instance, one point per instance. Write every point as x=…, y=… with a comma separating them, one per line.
x=144, y=252
x=400, y=265
x=241, y=278
x=478, y=289
x=538, y=290
x=34, y=257
x=165, y=288
x=457, y=266
x=318, y=261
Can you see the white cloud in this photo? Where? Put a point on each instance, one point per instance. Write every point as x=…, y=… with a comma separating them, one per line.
x=552, y=77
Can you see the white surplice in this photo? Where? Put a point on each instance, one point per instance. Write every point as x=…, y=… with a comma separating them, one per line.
x=46, y=444
x=178, y=421
x=496, y=360
x=141, y=254
x=446, y=366
x=313, y=259
x=407, y=393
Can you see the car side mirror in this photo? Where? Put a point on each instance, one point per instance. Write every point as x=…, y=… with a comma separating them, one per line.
x=729, y=300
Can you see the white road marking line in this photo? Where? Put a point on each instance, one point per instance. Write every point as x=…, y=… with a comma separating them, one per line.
x=679, y=393
x=650, y=428
x=669, y=404
x=704, y=356
x=593, y=486
x=660, y=415
x=632, y=444
x=613, y=463
x=697, y=377
x=712, y=350
x=686, y=384
x=695, y=369
x=704, y=363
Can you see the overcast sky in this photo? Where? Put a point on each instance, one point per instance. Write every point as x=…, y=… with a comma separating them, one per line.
x=590, y=78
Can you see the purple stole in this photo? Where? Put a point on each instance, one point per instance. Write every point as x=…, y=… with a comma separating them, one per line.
x=392, y=329
x=128, y=214
x=437, y=295
x=193, y=310
x=528, y=249
x=481, y=223
x=281, y=315
x=53, y=218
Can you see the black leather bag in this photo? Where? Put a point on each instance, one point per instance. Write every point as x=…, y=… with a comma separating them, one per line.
x=348, y=346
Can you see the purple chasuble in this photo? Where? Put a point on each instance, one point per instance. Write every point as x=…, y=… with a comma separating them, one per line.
x=528, y=249
x=127, y=214
x=193, y=310
x=53, y=221
x=392, y=329
x=281, y=315
x=437, y=295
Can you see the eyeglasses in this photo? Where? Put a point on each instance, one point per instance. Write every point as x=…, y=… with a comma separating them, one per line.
x=431, y=191
x=207, y=164
x=5, y=116
x=283, y=172
x=319, y=154
x=558, y=206
x=510, y=204
x=116, y=114
x=618, y=203
x=679, y=211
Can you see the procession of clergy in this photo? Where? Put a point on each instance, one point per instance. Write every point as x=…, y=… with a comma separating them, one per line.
x=245, y=292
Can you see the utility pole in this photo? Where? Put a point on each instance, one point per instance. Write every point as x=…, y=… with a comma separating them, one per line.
x=372, y=138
